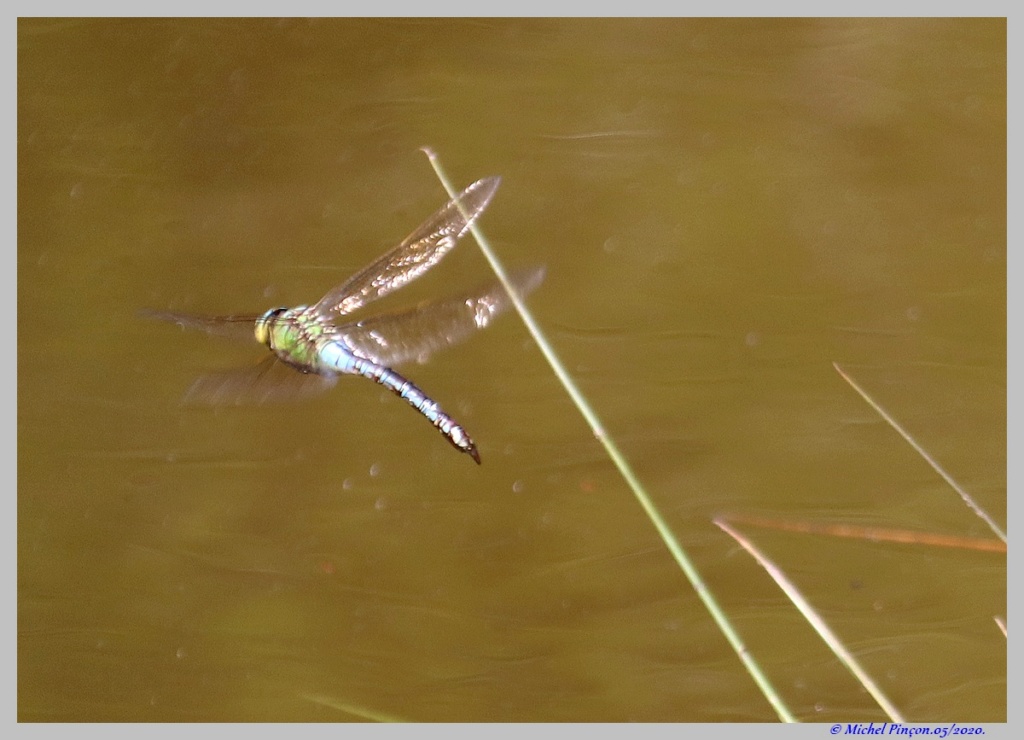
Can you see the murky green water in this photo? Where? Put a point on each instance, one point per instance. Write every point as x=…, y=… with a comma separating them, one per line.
x=724, y=208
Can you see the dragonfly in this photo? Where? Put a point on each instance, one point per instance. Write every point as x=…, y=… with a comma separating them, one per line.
x=311, y=346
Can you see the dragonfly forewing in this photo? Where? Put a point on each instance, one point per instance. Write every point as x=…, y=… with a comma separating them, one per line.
x=420, y=251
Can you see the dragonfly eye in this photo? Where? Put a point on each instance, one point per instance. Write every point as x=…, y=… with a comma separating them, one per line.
x=263, y=324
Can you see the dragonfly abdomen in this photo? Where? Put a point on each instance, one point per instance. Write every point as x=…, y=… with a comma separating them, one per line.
x=343, y=361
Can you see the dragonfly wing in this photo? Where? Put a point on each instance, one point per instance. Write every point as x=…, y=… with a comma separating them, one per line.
x=232, y=327
x=270, y=381
x=392, y=339
x=420, y=251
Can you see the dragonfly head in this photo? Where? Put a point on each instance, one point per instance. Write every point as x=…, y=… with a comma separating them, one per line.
x=263, y=324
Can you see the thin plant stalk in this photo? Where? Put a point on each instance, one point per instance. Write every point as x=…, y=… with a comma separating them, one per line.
x=984, y=515
x=874, y=534
x=815, y=620
x=619, y=460
x=365, y=713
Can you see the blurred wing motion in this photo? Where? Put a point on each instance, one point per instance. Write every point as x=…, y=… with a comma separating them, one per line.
x=420, y=251
x=414, y=335
x=231, y=327
x=270, y=381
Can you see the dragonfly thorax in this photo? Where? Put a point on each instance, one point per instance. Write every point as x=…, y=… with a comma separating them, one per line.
x=263, y=324
x=294, y=335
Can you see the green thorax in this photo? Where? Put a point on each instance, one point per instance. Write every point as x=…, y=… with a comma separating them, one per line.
x=294, y=335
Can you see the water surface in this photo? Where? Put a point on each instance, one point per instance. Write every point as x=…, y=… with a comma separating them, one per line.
x=725, y=208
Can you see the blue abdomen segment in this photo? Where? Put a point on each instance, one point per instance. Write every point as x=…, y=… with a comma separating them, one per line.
x=339, y=359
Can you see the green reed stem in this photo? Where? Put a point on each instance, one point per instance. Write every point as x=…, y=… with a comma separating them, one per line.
x=619, y=460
